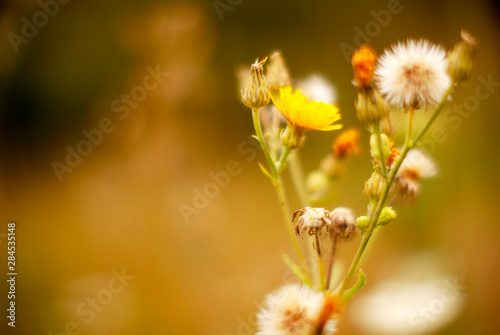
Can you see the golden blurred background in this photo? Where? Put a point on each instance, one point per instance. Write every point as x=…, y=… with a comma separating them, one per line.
x=102, y=244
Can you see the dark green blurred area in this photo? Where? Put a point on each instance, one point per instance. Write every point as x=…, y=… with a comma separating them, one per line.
x=119, y=208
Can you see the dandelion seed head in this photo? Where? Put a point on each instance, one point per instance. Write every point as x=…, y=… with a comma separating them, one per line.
x=292, y=310
x=417, y=165
x=414, y=74
x=318, y=88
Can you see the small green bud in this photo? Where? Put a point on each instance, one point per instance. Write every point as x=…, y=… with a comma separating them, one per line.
x=317, y=181
x=371, y=107
x=387, y=215
x=386, y=147
x=461, y=58
x=362, y=222
x=374, y=186
x=293, y=137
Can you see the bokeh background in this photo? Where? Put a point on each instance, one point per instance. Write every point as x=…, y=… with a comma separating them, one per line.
x=118, y=209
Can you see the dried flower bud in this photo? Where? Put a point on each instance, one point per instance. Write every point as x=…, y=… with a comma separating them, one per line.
x=374, y=186
x=277, y=74
x=371, y=107
x=461, y=58
x=311, y=220
x=343, y=223
x=386, y=215
x=256, y=93
x=363, y=63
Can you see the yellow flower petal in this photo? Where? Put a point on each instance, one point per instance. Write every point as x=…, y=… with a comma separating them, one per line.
x=302, y=113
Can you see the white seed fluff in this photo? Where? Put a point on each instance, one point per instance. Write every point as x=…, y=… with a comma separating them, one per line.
x=292, y=310
x=413, y=74
x=418, y=165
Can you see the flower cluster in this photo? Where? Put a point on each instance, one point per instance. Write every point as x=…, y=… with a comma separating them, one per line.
x=411, y=76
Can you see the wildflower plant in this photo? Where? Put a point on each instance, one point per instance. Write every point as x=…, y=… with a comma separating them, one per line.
x=408, y=78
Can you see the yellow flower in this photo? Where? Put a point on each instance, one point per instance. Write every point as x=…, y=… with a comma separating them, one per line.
x=305, y=114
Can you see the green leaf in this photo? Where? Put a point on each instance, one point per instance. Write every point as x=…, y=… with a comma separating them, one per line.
x=264, y=170
x=356, y=287
x=295, y=269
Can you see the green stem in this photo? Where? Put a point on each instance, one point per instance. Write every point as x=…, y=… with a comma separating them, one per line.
x=407, y=146
x=376, y=131
x=281, y=162
x=279, y=187
x=330, y=263
x=288, y=220
x=274, y=138
x=260, y=138
x=434, y=115
x=298, y=178
x=320, y=265
x=409, y=127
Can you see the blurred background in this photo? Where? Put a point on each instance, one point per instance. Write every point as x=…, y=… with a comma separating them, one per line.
x=103, y=246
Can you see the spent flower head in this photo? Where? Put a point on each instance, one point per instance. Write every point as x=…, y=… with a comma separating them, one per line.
x=416, y=165
x=343, y=223
x=414, y=74
x=311, y=220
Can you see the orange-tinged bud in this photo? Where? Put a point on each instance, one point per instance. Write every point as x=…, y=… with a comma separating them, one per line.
x=363, y=63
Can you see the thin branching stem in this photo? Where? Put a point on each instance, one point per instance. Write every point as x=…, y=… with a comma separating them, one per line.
x=374, y=219
x=276, y=169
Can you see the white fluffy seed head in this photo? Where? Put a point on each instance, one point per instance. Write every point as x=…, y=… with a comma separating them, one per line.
x=292, y=310
x=318, y=88
x=414, y=74
x=417, y=165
